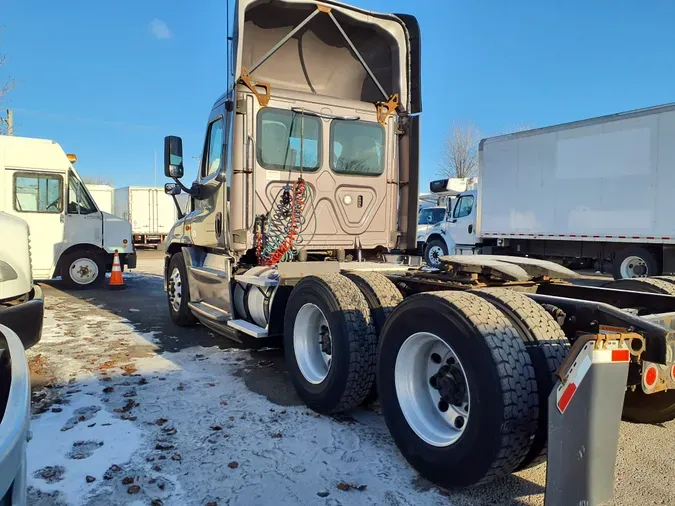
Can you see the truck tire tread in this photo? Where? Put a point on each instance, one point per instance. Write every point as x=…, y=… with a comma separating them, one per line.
x=547, y=346
x=359, y=332
x=512, y=366
x=651, y=285
x=382, y=297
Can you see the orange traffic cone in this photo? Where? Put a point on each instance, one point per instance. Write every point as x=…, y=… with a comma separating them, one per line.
x=116, y=280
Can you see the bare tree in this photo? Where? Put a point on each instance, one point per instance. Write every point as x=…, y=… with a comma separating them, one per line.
x=460, y=151
x=6, y=85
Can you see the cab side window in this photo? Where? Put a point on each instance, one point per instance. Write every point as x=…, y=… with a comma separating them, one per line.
x=464, y=207
x=38, y=193
x=79, y=201
x=213, y=159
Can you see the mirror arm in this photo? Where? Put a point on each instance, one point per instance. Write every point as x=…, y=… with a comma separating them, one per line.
x=187, y=190
x=178, y=209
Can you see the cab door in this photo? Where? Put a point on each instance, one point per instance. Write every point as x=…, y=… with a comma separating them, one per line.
x=38, y=198
x=462, y=224
x=84, y=222
x=207, y=222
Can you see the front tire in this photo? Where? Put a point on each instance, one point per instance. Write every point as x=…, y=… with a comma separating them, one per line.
x=178, y=292
x=329, y=343
x=83, y=269
x=482, y=364
x=433, y=251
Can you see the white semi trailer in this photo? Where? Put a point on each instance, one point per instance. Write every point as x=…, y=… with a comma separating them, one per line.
x=309, y=175
x=591, y=193
x=103, y=195
x=150, y=212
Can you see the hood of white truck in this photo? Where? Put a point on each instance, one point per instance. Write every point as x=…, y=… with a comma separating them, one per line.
x=15, y=268
x=116, y=234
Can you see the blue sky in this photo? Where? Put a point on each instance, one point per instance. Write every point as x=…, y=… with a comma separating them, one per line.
x=108, y=80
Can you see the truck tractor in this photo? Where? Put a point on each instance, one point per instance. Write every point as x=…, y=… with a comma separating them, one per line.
x=301, y=213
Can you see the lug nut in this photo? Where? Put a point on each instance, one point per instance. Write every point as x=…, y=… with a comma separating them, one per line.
x=432, y=382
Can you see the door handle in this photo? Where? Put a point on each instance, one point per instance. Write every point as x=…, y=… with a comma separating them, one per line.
x=471, y=228
x=219, y=224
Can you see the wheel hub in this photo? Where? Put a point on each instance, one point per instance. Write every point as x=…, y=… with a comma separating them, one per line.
x=432, y=389
x=324, y=339
x=450, y=383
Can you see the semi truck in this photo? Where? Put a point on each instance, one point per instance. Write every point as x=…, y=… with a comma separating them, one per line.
x=70, y=236
x=150, y=212
x=308, y=180
x=21, y=312
x=594, y=193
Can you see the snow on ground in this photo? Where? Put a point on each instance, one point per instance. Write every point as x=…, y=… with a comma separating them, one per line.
x=118, y=423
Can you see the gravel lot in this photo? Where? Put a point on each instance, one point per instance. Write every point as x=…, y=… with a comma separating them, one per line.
x=129, y=409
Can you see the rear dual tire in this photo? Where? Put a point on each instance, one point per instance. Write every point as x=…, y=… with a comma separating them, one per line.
x=330, y=343
x=498, y=377
x=639, y=407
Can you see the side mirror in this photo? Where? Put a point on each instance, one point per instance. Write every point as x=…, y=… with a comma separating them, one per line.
x=172, y=189
x=173, y=157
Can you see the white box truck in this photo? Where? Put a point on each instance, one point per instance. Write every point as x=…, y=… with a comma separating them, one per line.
x=588, y=193
x=70, y=236
x=150, y=211
x=104, y=196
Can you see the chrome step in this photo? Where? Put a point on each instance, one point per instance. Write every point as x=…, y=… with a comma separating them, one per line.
x=247, y=328
x=256, y=280
x=209, y=311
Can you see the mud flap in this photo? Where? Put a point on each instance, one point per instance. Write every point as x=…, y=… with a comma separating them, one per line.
x=584, y=412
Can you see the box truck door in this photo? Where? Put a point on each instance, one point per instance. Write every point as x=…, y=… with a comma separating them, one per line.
x=84, y=222
x=37, y=198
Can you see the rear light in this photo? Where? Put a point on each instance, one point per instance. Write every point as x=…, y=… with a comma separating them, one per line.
x=672, y=373
x=650, y=377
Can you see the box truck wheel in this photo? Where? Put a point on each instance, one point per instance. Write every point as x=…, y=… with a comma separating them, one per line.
x=433, y=251
x=640, y=407
x=178, y=292
x=457, y=388
x=82, y=269
x=635, y=262
x=547, y=346
x=329, y=343
x=382, y=297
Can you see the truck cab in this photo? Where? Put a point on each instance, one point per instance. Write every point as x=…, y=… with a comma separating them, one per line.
x=456, y=233
x=70, y=236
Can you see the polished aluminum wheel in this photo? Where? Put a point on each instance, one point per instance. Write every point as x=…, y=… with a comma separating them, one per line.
x=83, y=271
x=432, y=389
x=175, y=289
x=312, y=343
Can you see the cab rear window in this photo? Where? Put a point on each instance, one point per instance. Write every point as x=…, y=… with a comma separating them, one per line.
x=286, y=136
x=357, y=147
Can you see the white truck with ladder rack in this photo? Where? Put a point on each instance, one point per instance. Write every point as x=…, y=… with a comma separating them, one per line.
x=308, y=178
